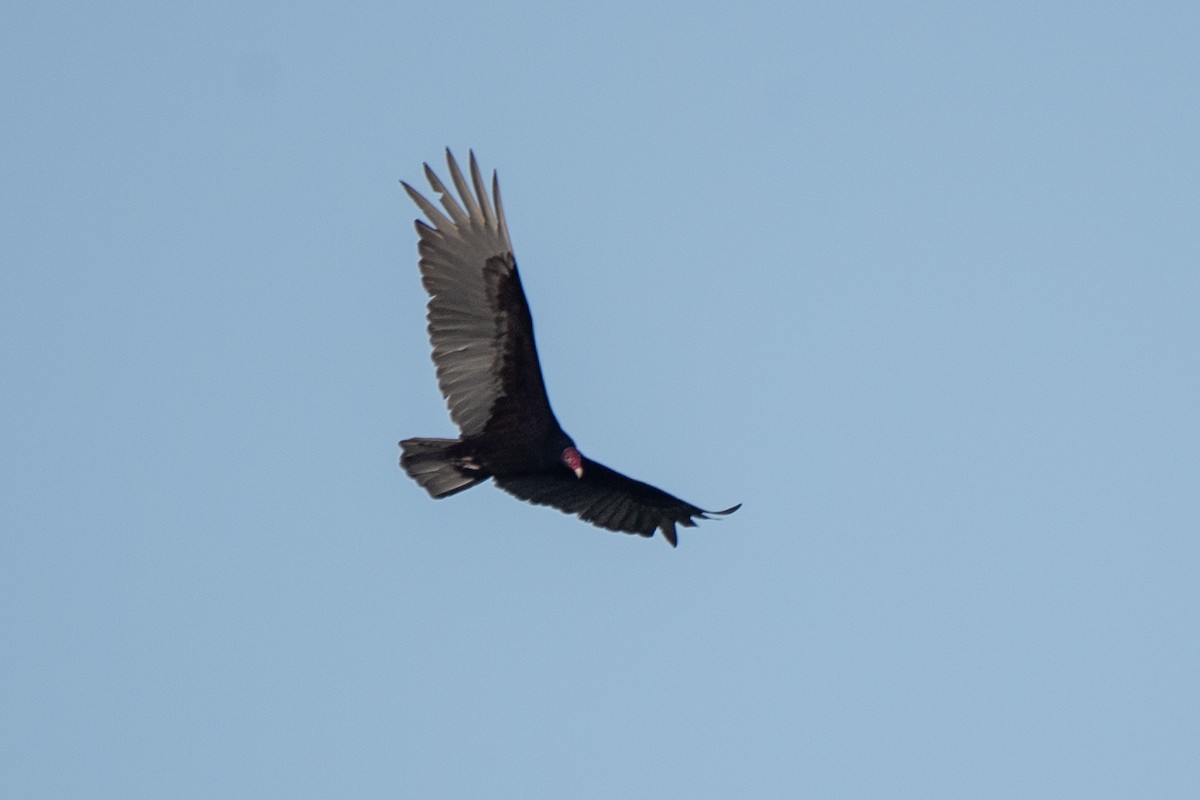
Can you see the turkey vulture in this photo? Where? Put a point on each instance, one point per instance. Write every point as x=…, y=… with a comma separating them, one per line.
x=487, y=368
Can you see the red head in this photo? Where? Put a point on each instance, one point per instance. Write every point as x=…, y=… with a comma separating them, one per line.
x=573, y=460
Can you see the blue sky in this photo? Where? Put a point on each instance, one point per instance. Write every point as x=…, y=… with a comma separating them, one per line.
x=918, y=284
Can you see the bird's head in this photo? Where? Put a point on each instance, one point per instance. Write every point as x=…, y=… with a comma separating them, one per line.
x=573, y=460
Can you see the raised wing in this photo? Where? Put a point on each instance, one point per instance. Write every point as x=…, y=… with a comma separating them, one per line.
x=479, y=322
x=608, y=499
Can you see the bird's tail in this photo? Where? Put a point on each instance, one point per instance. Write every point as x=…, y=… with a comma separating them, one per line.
x=434, y=464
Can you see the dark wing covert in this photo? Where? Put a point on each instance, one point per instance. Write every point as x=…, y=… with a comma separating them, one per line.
x=608, y=499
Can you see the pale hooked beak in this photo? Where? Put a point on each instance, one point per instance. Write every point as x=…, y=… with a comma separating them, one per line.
x=579, y=472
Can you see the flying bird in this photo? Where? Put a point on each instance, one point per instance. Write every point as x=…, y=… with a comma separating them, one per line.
x=488, y=371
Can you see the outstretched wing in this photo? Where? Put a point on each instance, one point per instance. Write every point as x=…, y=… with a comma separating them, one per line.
x=608, y=499
x=479, y=322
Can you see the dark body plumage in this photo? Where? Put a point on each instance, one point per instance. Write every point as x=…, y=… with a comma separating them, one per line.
x=488, y=370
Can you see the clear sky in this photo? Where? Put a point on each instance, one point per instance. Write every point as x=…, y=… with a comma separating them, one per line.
x=919, y=284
